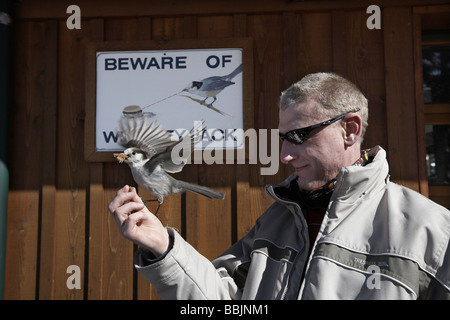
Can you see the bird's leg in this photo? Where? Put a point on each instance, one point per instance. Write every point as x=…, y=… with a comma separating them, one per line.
x=159, y=204
x=145, y=201
x=211, y=104
x=208, y=105
x=160, y=201
x=203, y=101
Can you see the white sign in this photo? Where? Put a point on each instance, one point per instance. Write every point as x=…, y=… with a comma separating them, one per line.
x=177, y=88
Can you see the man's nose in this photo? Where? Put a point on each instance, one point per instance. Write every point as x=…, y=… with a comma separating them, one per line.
x=288, y=152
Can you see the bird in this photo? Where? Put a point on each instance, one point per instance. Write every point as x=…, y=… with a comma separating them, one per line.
x=148, y=153
x=210, y=87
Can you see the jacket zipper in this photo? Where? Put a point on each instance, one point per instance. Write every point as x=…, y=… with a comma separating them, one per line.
x=297, y=212
x=305, y=241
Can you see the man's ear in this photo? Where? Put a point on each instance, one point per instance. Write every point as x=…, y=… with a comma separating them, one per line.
x=353, y=129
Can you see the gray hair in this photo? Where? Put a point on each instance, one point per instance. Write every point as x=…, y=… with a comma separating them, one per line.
x=333, y=94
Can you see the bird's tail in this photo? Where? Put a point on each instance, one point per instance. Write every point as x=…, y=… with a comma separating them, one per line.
x=204, y=191
x=235, y=72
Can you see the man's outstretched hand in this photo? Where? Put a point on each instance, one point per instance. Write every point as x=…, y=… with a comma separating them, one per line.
x=137, y=223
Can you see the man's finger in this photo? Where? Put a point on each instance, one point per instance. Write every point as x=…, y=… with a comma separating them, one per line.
x=128, y=208
x=135, y=197
x=123, y=195
x=135, y=218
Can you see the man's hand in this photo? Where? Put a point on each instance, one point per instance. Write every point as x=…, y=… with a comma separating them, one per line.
x=137, y=223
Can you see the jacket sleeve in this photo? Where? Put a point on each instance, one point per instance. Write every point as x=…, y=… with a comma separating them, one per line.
x=183, y=273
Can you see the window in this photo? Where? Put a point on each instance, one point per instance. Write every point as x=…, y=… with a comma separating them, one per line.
x=436, y=73
x=435, y=52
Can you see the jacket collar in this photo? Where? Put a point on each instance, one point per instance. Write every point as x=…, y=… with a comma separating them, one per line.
x=354, y=182
x=283, y=191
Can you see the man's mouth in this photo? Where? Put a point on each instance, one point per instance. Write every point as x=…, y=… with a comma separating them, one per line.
x=300, y=168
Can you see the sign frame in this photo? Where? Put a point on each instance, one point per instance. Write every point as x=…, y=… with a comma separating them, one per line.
x=245, y=44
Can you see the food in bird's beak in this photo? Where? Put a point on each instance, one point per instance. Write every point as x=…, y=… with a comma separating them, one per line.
x=120, y=156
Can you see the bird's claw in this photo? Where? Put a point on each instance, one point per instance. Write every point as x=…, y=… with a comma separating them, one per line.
x=159, y=205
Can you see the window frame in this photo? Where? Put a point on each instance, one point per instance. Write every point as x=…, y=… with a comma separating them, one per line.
x=429, y=113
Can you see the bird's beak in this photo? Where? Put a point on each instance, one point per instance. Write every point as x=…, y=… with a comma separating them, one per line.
x=120, y=156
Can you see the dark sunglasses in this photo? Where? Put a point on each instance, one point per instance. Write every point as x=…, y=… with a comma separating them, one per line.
x=298, y=136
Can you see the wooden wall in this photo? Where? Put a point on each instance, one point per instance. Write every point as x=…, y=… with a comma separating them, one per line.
x=57, y=213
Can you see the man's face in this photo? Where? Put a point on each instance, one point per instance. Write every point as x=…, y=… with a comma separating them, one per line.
x=321, y=156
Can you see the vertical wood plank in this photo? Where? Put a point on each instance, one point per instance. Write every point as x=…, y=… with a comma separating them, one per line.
x=49, y=135
x=117, y=255
x=97, y=205
x=97, y=225
x=122, y=29
x=21, y=251
x=211, y=222
x=240, y=25
x=117, y=252
x=164, y=29
x=266, y=30
x=215, y=26
x=401, y=113
x=315, y=42
x=144, y=28
x=339, y=42
x=190, y=29
x=29, y=81
x=290, y=53
x=69, y=244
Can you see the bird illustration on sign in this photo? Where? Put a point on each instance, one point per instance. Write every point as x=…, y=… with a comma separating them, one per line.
x=208, y=87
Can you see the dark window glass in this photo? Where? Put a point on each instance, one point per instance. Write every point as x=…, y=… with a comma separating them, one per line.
x=438, y=153
x=436, y=73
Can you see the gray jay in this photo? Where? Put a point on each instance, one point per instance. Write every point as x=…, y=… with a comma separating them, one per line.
x=210, y=87
x=148, y=153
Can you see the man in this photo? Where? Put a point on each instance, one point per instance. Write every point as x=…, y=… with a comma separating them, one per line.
x=338, y=229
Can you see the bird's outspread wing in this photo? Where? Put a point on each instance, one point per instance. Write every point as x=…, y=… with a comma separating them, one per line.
x=174, y=161
x=145, y=134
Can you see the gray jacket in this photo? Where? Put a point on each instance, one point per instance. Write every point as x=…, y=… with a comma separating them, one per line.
x=378, y=240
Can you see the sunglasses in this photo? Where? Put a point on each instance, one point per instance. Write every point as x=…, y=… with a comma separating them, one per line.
x=299, y=136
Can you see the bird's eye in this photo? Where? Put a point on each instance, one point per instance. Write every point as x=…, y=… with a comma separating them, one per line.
x=134, y=153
